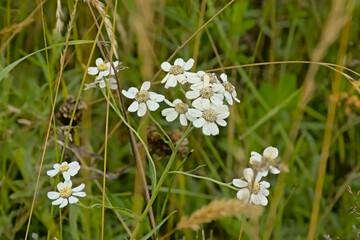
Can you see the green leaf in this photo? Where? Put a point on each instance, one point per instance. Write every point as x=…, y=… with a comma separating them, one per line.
x=147, y=236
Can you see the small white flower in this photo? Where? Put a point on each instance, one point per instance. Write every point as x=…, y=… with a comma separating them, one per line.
x=182, y=109
x=229, y=92
x=66, y=194
x=267, y=159
x=201, y=74
x=68, y=170
x=206, y=92
x=177, y=72
x=143, y=99
x=212, y=114
x=252, y=190
x=102, y=68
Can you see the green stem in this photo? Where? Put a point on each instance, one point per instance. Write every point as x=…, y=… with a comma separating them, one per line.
x=161, y=181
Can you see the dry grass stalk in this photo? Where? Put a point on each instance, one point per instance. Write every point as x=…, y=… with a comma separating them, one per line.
x=16, y=27
x=108, y=26
x=59, y=26
x=219, y=209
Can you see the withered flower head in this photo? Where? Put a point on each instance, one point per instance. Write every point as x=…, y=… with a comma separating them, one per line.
x=66, y=110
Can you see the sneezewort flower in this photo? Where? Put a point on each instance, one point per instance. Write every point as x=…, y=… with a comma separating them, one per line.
x=67, y=170
x=143, y=99
x=205, y=92
x=66, y=194
x=102, y=84
x=211, y=116
x=229, y=90
x=177, y=72
x=102, y=68
x=252, y=190
x=201, y=74
x=182, y=109
x=265, y=162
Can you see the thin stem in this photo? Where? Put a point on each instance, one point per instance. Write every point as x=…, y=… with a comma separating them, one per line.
x=242, y=227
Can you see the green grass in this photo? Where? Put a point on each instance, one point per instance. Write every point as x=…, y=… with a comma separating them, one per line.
x=273, y=98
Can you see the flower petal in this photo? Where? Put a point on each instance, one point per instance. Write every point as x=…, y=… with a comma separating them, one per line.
x=64, y=203
x=99, y=61
x=274, y=170
x=255, y=157
x=239, y=183
x=79, y=188
x=152, y=105
x=93, y=70
x=145, y=86
x=73, y=200
x=183, y=120
x=248, y=174
x=255, y=199
x=53, y=195
x=207, y=129
x=221, y=122
x=167, y=111
x=179, y=61
x=172, y=116
x=214, y=129
x=189, y=64
x=165, y=66
x=243, y=194
x=262, y=199
x=66, y=175
x=130, y=93
x=171, y=82
x=133, y=107
x=142, y=109
x=271, y=152
x=199, y=122
x=79, y=194
x=58, y=201
x=156, y=97
x=52, y=172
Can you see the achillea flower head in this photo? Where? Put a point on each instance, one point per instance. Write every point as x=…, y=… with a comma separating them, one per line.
x=143, y=99
x=102, y=68
x=177, y=72
x=267, y=161
x=178, y=108
x=67, y=170
x=66, y=194
x=252, y=190
x=229, y=90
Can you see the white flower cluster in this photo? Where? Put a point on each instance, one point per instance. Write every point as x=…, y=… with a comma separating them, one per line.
x=253, y=190
x=103, y=72
x=207, y=93
x=65, y=193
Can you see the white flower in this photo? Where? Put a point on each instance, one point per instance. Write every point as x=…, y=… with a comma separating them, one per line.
x=182, y=109
x=252, y=190
x=102, y=68
x=143, y=99
x=201, y=74
x=102, y=83
x=266, y=161
x=177, y=72
x=206, y=92
x=66, y=194
x=229, y=92
x=212, y=114
x=66, y=169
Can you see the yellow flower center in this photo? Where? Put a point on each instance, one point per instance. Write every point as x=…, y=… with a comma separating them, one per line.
x=255, y=188
x=64, y=167
x=181, y=108
x=176, y=70
x=65, y=192
x=209, y=115
x=206, y=93
x=103, y=66
x=142, y=96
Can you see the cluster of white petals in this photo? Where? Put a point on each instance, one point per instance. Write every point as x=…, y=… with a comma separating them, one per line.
x=253, y=190
x=143, y=99
x=67, y=170
x=177, y=72
x=66, y=194
x=103, y=72
x=178, y=108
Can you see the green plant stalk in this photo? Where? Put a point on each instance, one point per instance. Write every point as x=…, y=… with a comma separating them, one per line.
x=328, y=134
x=161, y=181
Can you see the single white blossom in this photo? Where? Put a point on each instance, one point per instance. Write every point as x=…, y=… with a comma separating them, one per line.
x=102, y=68
x=212, y=115
x=143, y=99
x=252, y=190
x=68, y=170
x=267, y=160
x=177, y=72
x=182, y=109
x=66, y=194
x=200, y=78
x=229, y=90
x=205, y=92
x=102, y=84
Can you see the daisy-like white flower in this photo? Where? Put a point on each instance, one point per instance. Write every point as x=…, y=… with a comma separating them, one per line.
x=102, y=84
x=67, y=170
x=102, y=68
x=201, y=74
x=66, y=194
x=212, y=115
x=143, y=99
x=205, y=92
x=229, y=92
x=182, y=109
x=177, y=72
x=252, y=190
x=266, y=162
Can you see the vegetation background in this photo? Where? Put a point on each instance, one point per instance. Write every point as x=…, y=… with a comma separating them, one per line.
x=299, y=108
